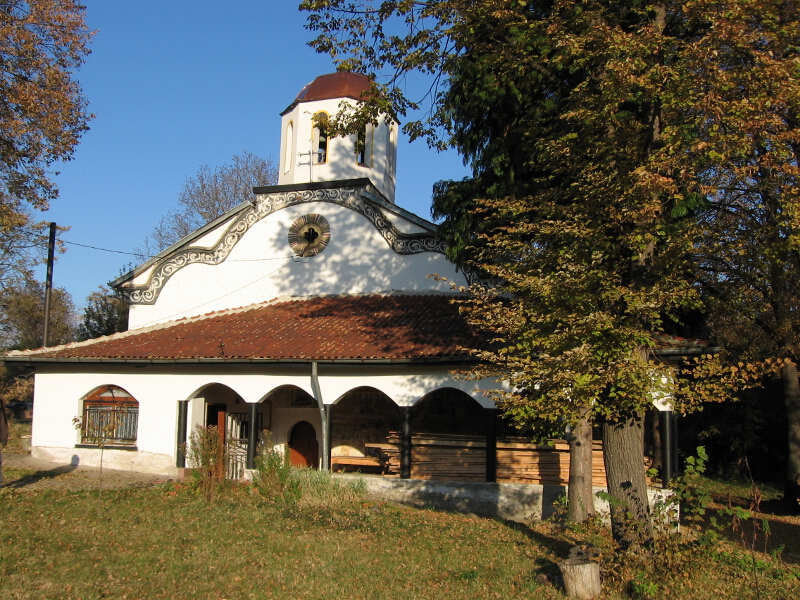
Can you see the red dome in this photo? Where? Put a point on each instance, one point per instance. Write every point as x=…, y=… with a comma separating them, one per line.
x=333, y=85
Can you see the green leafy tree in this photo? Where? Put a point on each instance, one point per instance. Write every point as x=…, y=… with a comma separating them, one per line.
x=749, y=250
x=22, y=246
x=588, y=126
x=22, y=328
x=22, y=316
x=42, y=109
x=106, y=313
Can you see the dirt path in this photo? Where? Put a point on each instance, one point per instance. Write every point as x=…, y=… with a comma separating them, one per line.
x=23, y=473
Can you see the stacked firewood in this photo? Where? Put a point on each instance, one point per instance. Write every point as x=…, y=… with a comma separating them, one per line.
x=463, y=458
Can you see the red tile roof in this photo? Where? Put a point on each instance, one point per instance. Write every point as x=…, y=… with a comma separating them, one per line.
x=394, y=327
x=342, y=84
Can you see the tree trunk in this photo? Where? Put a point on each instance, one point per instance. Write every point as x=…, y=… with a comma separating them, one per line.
x=623, y=452
x=581, y=578
x=791, y=397
x=580, y=503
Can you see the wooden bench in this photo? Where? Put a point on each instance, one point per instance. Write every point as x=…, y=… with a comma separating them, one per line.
x=364, y=464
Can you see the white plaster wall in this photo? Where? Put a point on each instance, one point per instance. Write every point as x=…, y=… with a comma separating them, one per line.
x=404, y=390
x=121, y=460
x=262, y=267
x=341, y=163
x=58, y=399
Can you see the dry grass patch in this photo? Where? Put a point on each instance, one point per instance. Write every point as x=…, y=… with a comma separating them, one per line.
x=329, y=542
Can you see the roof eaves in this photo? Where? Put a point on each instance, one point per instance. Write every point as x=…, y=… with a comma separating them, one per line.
x=32, y=360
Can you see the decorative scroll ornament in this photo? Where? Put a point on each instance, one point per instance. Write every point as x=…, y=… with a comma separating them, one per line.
x=265, y=205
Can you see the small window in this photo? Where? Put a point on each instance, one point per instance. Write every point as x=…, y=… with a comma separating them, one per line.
x=391, y=148
x=320, y=138
x=110, y=418
x=364, y=146
x=287, y=148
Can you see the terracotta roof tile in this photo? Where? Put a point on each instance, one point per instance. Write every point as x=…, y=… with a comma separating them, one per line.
x=335, y=85
x=392, y=327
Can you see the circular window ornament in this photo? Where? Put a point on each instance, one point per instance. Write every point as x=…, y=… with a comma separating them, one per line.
x=309, y=235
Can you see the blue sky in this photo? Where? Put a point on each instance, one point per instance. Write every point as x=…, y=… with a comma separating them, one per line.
x=175, y=84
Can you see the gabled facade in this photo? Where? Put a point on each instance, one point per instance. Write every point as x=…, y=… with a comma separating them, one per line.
x=308, y=313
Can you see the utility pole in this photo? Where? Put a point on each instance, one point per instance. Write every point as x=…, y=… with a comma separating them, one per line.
x=48, y=290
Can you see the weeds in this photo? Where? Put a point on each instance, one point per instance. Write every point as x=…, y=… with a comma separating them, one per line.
x=686, y=528
x=16, y=431
x=288, y=486
x=274, y=475
x=209, y=458
x=642, y=588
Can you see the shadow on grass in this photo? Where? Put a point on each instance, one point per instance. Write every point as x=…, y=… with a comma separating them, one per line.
x=775, y=526
x=558, y=546
x=37, y=476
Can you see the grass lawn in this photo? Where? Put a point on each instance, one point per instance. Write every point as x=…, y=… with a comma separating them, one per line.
x=17, y=429
x=169, y=542
x=172, y=542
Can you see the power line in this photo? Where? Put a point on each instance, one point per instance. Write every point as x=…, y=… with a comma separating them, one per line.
x=147, y=257
x=102, y=249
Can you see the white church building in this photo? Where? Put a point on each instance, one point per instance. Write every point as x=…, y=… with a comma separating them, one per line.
x=308, y=311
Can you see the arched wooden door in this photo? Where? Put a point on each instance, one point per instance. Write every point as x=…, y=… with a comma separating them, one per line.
x=303, y=445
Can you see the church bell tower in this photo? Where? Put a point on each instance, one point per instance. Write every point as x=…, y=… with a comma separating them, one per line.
x=309, y=154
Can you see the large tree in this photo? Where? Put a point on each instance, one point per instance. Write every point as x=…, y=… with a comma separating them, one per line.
x=22, y=316
x=42, y=110
x=42, y=116
x=21, y=248
x=747, y=137
x=105, y=313
x=584, y=124
x=208, y=195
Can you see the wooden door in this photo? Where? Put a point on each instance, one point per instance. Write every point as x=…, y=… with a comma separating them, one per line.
x=303, y=445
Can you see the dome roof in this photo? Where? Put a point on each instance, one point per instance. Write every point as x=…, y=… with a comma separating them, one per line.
x=333, y=85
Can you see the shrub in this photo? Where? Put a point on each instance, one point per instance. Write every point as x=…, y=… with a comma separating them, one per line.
x=209, y=459
x=288, y=486
x=274, y=477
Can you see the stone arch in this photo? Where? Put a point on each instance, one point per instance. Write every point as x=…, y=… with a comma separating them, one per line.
x=449, y=411
x=319, y=137
x=288, y=405
x=362, y=416
x=109, y=417
x=304, y=445
x=214, y=403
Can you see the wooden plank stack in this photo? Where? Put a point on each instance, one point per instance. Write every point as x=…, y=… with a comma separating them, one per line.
x=522, y=462
x=463, y=458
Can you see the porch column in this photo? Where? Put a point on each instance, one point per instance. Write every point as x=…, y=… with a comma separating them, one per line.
x=180, y=454
x=667, y=447
x=221, y=420
x=405, y=444
x=323, y=417
x=491, y=445
x=676, y=463
x=328, y=431
x=252, y=436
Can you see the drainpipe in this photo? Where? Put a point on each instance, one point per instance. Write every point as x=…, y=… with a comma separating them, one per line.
x=252, y=436
x=667, y=447
x=180, y=455
x=323, y=415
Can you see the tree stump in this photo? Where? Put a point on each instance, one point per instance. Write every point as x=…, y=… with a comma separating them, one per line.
x=581, y=574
